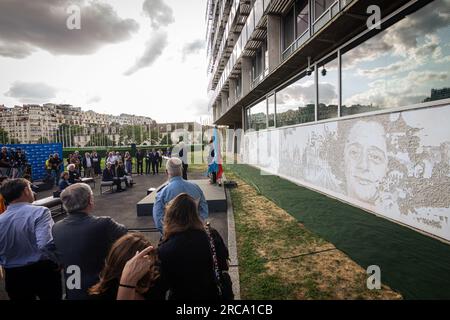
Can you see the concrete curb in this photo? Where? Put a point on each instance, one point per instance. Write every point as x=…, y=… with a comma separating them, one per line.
x=232, y=248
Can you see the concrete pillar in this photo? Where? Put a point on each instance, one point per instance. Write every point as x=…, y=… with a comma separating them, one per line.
x=232, y=93
x=246, y=74
x=224, y=100
x=214, y=109
x=274, y=41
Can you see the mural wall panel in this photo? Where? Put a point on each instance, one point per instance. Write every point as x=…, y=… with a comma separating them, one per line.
x=396, y=165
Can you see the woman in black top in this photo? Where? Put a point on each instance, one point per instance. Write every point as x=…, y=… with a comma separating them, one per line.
x=187, y=267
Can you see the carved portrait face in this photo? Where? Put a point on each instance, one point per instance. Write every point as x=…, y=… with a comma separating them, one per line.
x=365, y=158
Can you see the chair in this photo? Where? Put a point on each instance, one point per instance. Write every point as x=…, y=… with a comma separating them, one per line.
x=106, y=184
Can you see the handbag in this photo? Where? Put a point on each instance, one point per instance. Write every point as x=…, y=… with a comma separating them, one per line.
x=221, y=277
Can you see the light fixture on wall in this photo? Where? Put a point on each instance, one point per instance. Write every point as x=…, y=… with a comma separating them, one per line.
x=309, y=70
x=324, y=71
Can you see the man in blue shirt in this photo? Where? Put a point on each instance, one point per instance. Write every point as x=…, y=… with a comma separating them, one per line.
x=25, y=239
x=176, y=186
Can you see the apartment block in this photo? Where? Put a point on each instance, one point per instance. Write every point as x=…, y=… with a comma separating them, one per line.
x=350, y=98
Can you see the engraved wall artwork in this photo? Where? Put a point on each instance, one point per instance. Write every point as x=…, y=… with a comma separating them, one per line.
x=396, y=165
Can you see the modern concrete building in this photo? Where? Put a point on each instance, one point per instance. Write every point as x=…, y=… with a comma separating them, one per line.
x=346, y=97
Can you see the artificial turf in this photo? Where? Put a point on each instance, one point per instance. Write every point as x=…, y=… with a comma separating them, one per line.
x=411, y=263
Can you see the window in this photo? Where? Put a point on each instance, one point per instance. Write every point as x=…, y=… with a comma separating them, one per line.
x=271, y=110
x=257, y=116
x=296, y=102
x=320, y=6
x=258, y=62
x=408, y=63
x=302, y=11
x=288, y=29
x=328, y=79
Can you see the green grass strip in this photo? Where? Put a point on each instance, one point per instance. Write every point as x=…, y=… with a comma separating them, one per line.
x=411, y=263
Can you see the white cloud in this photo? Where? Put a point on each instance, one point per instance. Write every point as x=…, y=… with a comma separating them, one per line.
x=193, y=47
x=399, y=91
x=160, y=14
x=31, y=92
x=153, y=49
x=26, y=26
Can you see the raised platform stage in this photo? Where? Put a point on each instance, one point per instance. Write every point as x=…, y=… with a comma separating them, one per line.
x=215, y=197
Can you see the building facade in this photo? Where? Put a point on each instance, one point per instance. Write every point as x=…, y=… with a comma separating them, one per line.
x=36, y=123
x=190, y=131
x=349, y=98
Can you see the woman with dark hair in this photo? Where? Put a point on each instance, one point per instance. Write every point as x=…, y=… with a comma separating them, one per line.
x=147, y=287
x=186, y=243
x=194, y=258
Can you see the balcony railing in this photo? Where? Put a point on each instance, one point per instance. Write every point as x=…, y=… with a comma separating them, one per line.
x=256, y=13
x=252, y=22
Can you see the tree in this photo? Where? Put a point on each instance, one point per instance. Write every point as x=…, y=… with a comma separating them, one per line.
x=133, y=134
x=6, y=139
x=66, y=133
x=100, y=139
x=43, y=140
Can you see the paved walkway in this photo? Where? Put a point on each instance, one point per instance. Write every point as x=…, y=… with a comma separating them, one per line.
x=122, y=208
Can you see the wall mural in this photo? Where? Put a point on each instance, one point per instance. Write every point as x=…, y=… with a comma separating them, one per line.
x=396, y=165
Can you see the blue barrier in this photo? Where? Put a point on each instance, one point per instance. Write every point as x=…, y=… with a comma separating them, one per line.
x=37, y=154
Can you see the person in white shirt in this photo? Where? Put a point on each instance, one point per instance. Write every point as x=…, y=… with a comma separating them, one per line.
x=88, y=166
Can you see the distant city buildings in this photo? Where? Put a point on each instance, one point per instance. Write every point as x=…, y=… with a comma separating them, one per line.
x=76, y=128
x=438, y=94
x=67, y=124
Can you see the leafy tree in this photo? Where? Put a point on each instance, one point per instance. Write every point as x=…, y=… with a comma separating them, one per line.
x=43, y=140
x=100, y=139
x=5, y=138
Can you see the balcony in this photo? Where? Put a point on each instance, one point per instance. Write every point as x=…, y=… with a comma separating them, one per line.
x=253, y=22
x=331, y=30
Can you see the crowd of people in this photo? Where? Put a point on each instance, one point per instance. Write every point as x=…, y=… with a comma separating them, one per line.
x=100, y=259
x=118, y=167
x=13, y=163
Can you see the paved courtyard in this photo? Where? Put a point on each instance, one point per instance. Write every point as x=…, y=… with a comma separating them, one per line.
x=122, y=208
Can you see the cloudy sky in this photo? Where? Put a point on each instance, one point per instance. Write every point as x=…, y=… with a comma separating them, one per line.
x=144, y=57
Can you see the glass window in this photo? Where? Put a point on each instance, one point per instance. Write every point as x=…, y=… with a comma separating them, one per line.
x=302, y=11
x=257, y=116
x=328, y=89
x=320, y=6
x=288, y=29
x=296, y=103
x=406, y=64
x=271, y=110
x=258, y=63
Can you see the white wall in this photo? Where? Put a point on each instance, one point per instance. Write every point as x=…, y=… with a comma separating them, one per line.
x=396, y=165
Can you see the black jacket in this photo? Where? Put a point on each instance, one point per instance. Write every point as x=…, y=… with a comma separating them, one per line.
x=187, y=267
x=73, y=177
x=84, y=240
x=85, y=162
x=108, y=175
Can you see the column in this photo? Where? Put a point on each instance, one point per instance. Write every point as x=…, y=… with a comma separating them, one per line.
x=232, y=92
x=274, y=41
x=246, y=71
x=225, y=105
